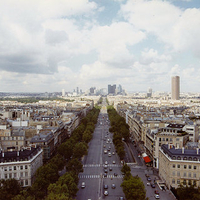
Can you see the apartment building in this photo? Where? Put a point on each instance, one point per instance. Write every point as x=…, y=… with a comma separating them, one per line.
x=21, y=165
x=179, y=166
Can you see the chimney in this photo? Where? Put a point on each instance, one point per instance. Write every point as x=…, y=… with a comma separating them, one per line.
x=197, y=150
x=182, y=150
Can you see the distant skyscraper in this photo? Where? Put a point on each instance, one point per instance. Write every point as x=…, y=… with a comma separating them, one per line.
x=63, y=92
x=175, y=87
x=111, y=89
x=77, y=90
x=149, y=92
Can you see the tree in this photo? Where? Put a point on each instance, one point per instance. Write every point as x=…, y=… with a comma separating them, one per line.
x=66, y=149
x=134, y=188
x=75, y=166
x=126, y=169
x=80, y=149
x=9, y=188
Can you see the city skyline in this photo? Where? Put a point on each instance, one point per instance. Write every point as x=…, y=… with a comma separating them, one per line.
x=67, y=44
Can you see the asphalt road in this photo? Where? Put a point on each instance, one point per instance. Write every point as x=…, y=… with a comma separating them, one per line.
x=94, y=164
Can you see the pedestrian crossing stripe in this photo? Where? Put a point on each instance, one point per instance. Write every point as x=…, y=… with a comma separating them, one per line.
x=98, y=176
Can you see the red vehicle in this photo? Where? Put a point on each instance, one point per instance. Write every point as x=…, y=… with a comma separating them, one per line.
x=156, y=192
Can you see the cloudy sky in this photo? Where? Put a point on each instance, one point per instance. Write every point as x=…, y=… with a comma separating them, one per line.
x=47, y=46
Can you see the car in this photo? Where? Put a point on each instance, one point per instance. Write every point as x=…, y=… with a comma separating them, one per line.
x=153, y=185
x=113, y=153
x=113, y=186
x=105, y=136
x=105, y=166
x=156, y=192
x=105, y=151
x=114, y=162
x=148, y=179
x=104, y=175
x=121, y=198
x=157, y=196
x=106, y=142
x=106, y=162
x=83, y=185
x=115, y=174
x=109, y=147
x=148, y=184
x=106, y=193
x=104, y=146
x=105, y=171
x=105, y=186
x=110, y=169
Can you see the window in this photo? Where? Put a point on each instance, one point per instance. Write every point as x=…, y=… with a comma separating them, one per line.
x=16, y=143
x=178, y=173
x=173, y=165
x=14, y=167
x=26, y=182
x=160, y=139
x=185, y=166
x=173, y=173
x=189, y=182
x=195, y=159
x=21, y=167
x=173, y=181
x=6, y=176
x=21, y=174
x=163, y=139
x=171, y=139
x=10, y=168
x=184, y=174
x=166, y=139
x=15, y=175
x=178, y=158
x=178, y=166
x=5, y=169
x=195, y=167
x=189, y=174
x=194, y=175
x=184, y=182
x=26, y=174
x=26, y=167
x=178, y=181
x=177, y=139
x=185, y=158
x=10, y=175
x=21, y=183
x=190, y=167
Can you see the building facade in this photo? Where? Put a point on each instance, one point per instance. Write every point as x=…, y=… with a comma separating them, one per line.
x=21, y=165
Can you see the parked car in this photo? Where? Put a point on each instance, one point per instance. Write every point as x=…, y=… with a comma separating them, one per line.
x=148, y=184
x=157, y=196
x=113, y=186
x=153, y=185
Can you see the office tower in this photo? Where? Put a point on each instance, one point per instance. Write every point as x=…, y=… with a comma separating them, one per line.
x=63, y=92
x=77, y=90
x=149, y=92
x=175, y=87
x=111, y=89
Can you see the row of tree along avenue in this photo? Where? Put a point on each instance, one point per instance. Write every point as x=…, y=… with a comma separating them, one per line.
x=120, y=130
x=48, y=184
x=133, y=187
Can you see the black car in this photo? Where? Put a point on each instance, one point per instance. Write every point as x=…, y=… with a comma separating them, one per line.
x=115, y=174
x=105, y=171
x=110, y=169
x=153, y=185
x=113, y=186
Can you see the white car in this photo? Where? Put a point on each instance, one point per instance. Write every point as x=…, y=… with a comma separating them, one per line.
x=148, y=184
x=106, y=193
x=114, y=162
x=106, y=162
x=157, y=196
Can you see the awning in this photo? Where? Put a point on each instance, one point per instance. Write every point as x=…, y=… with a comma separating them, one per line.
x=147, y=159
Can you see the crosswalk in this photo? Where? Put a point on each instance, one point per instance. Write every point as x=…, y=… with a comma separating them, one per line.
x=99, y=176
x=101, y=165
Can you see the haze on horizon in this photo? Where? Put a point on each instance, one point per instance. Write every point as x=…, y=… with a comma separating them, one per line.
x=51, y=45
